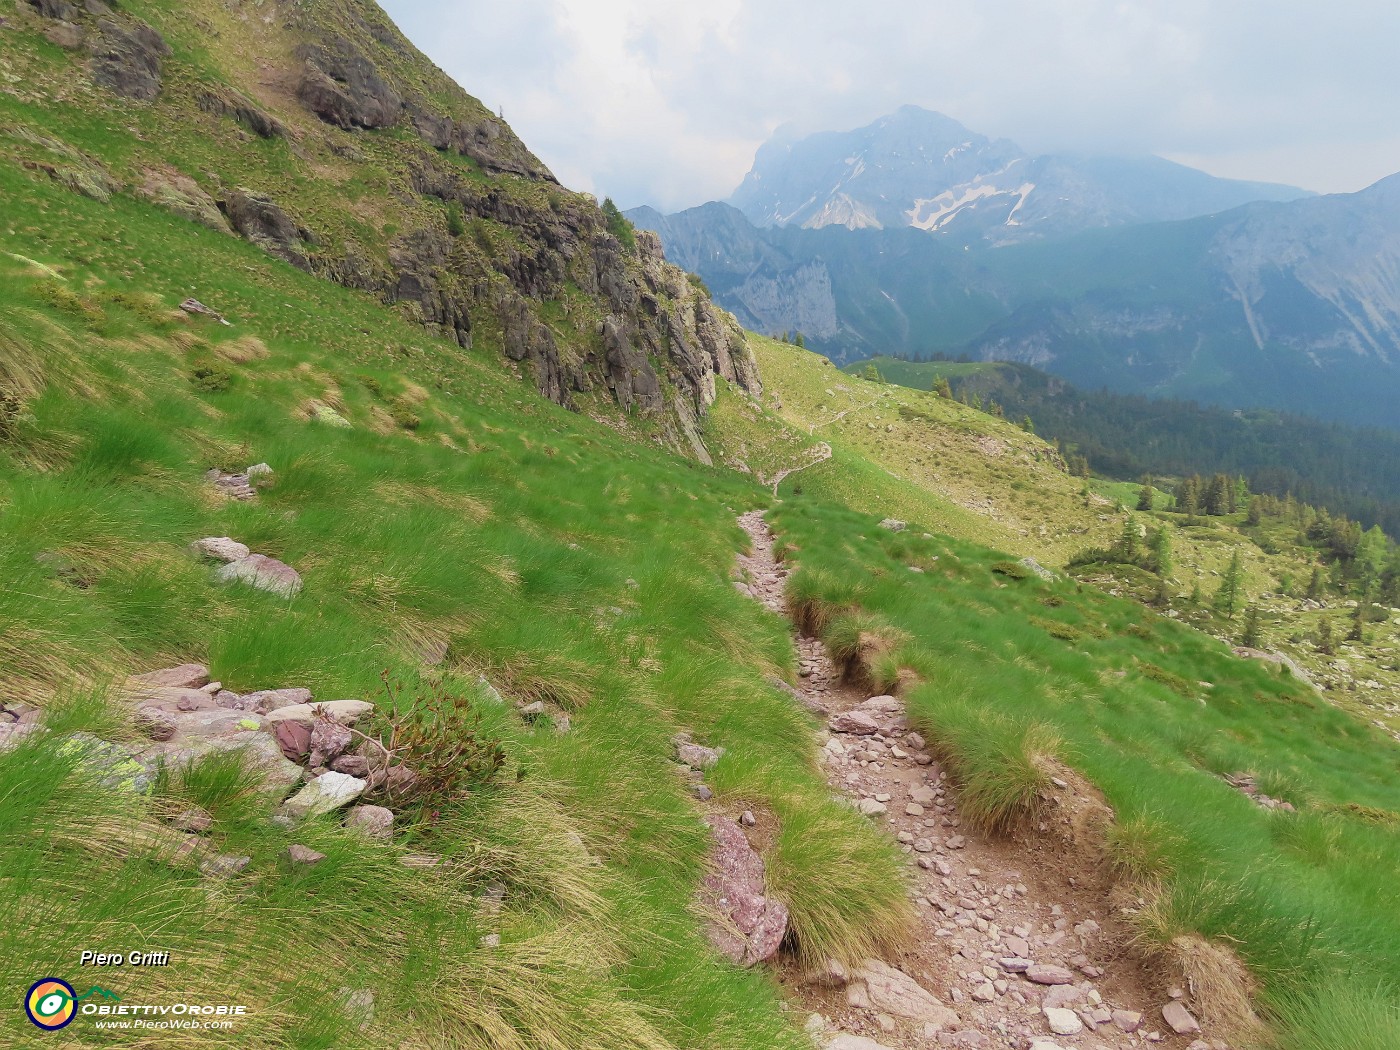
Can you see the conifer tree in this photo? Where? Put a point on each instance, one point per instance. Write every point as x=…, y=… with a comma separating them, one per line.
x=943, y=388
x=1324, y=637
x=1029, y=427
x=1358, y=622
x=1128, y=547
x=1227, y=598
x=1162, y=597
x=1145, y=493
x=1249, y=637
x=1162, y=552
x=1316, y=583
x=1217, y=496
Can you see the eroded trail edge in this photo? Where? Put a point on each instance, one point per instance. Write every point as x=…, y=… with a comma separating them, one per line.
x=1016, y=944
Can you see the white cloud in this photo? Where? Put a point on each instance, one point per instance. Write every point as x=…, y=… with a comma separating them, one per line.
x=665, y=102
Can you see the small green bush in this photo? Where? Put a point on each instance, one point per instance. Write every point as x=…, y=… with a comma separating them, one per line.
x=210, y=378
x=401, y=412
x=1012, y=570
x=618, y=226
x=436, y=734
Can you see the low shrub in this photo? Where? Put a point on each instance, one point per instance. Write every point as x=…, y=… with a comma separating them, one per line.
x=436, y=734
x=210, y=378
x=1011, y=569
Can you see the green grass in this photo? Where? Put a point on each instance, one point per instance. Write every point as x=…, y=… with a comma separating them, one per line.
x=501, y=526
x=1304, y=898
x=574, y=564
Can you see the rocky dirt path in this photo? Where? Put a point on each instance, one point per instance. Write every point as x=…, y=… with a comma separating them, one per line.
x=1015, y=945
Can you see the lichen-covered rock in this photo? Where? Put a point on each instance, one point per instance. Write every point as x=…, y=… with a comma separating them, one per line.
x=328, y=792
x=750, y=925
x=116, y=767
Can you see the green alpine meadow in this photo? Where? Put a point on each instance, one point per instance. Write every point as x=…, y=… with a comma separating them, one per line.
x=430, y=619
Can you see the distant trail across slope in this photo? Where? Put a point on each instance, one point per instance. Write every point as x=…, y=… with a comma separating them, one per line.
x=823, y=453
x=1013, y=936
x=812, y=429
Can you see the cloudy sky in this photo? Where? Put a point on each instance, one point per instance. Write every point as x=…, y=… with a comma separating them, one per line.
x=664, y=102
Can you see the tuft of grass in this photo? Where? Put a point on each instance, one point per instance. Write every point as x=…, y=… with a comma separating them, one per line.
x=831, y=914
x=1011, y=570
x=815, y=598
x=1001, y=764
x=1359, y=1014
x=1221, y=987
x=1142, y=847
x=225, y=783
x=867, y=648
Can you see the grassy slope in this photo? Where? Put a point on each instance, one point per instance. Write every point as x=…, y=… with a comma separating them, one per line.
x=355, y=192
x=461, y=532
x=1364, y=677
x=910, y=455
x=1150, y=711
x=503, y=526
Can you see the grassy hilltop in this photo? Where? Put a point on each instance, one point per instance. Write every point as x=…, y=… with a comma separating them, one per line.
x=556, y=572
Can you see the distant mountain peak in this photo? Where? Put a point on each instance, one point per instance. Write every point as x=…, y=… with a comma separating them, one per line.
x=918, y=167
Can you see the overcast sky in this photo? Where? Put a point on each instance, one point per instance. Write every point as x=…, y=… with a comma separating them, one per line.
x=664, y=102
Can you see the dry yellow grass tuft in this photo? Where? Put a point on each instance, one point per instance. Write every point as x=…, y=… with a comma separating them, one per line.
x=243, y=350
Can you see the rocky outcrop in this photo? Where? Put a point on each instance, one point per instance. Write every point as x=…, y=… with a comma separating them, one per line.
x=126, y=58
x=235, y=107
x=488, y=141
x=59, y=9
x=178, y=193
x=259, y=219
x=343, y=87
x=491, y=245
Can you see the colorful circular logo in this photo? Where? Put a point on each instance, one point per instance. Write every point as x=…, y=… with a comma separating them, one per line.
x=50, y=1003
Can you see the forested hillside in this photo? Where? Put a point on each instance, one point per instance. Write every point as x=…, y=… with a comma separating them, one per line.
x=1349, y=470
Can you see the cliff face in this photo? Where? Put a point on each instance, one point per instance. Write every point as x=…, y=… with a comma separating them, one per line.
x=318, y=132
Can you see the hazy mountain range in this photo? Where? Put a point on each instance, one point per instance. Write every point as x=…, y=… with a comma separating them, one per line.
x=1136, y=274
x=919, y=168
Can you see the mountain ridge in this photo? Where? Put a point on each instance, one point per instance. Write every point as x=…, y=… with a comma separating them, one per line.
x=1292, y=305
x=916, y=167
